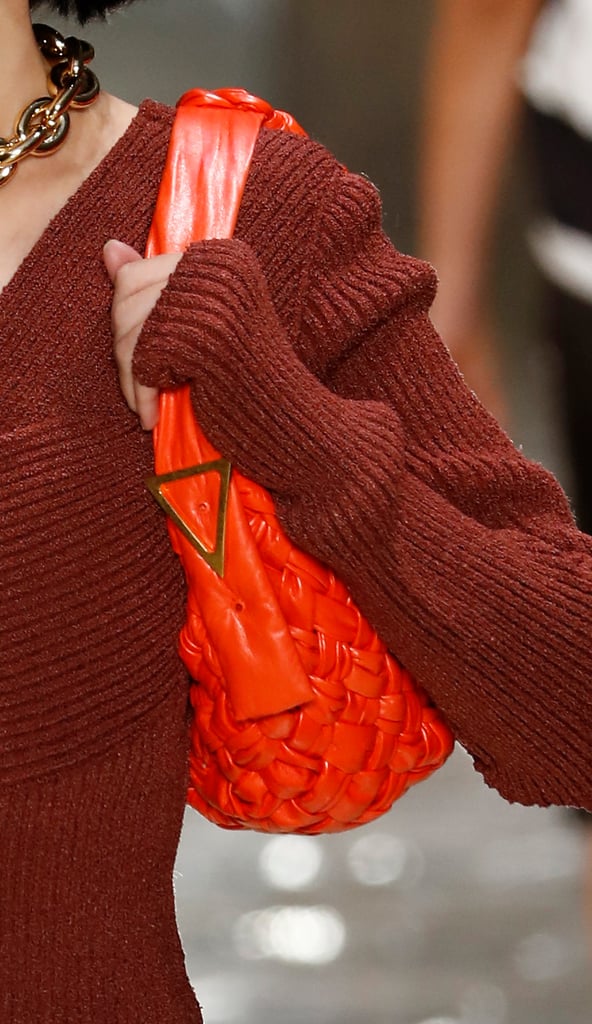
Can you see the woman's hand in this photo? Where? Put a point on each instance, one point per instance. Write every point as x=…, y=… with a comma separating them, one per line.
x=137, y=284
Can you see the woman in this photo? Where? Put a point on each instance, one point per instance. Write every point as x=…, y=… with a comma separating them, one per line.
x=481, y=52
x=314, y=368
x=489, y=64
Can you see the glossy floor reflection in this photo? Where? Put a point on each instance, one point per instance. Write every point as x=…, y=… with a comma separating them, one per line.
x=456, y=908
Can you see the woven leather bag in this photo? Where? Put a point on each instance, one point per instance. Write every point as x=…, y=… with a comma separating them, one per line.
x=302, y=720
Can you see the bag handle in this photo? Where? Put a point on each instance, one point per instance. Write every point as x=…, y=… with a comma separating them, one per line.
x=207, y=166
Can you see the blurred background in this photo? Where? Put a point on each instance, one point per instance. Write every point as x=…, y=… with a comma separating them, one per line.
x=456, y=908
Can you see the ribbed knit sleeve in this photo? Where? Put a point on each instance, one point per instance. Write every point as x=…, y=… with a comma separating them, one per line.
x=348, y=408
x=216, y=326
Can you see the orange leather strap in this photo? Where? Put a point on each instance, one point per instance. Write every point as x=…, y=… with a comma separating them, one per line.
x=211, y=146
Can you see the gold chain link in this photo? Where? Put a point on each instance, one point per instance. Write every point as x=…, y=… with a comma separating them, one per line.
x=42, y=126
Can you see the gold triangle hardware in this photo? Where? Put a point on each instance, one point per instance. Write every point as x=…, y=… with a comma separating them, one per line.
x=215, y=558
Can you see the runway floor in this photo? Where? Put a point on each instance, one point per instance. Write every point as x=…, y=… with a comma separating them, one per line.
x=455, y=908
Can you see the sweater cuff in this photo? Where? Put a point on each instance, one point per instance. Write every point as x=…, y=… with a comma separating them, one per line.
x=215, y=326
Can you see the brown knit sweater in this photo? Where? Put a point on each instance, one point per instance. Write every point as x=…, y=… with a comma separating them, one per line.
x=316, y=371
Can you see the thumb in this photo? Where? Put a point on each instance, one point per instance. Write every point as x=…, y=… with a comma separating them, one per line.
x=116, y=255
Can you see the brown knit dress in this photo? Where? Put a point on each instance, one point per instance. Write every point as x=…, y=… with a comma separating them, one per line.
x=92, y=694
x=316, y=371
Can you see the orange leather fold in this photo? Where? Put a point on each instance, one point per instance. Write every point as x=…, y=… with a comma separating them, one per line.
x=199, y=198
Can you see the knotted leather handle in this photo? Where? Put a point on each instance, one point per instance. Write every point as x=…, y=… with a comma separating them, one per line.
x=208, y=162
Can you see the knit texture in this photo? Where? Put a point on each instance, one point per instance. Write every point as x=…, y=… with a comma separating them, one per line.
x=93, y=697
x=315, y=370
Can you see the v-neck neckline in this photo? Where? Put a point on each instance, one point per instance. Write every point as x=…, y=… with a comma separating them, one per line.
x=82, y=195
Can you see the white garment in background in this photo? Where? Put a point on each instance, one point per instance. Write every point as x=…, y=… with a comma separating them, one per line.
x=556, y=78
x=557, y=71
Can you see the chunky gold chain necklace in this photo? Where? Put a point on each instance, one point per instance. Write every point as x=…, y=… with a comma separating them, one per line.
x=42, y=126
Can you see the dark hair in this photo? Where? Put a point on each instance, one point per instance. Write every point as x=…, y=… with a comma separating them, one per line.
x=82, y=9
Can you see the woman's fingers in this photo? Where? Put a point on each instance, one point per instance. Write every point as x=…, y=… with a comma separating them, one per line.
x=129, y=313
x=116, y=255
x=146, y=401
x=123, y=350
x=130, y=272
x=138, y=284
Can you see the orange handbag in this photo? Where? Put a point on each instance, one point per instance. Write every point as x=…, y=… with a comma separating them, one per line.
x=302, y=720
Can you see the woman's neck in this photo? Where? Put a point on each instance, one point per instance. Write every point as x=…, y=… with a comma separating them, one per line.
x=23, y=72
x=23, y=79
x=39, y=188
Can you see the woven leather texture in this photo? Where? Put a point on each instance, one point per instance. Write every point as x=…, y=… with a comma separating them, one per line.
x=342, y=758
x=302, y=720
